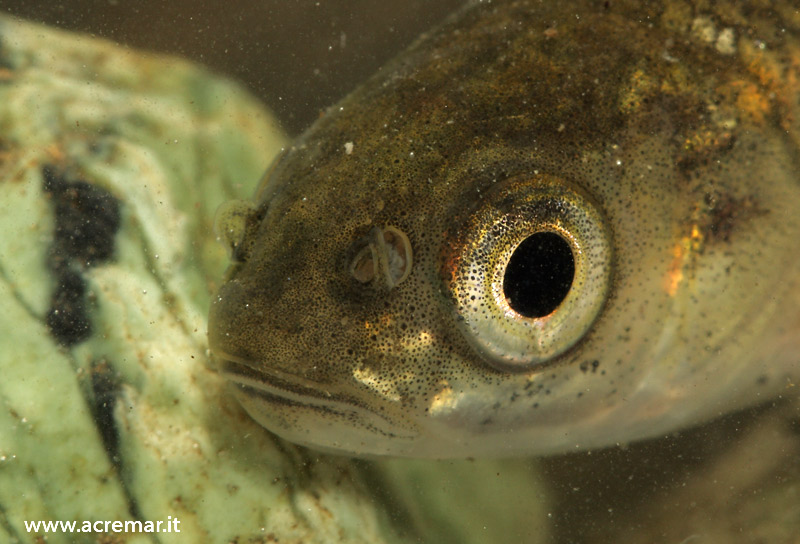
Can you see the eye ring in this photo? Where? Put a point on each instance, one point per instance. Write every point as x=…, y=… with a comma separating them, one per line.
x=508, y=335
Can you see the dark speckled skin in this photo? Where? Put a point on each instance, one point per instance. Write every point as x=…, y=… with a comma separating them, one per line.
x=680, y=121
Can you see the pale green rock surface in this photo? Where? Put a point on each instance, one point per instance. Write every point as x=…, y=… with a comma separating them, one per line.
x=133, y=423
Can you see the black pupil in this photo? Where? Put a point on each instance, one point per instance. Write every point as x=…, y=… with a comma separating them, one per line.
x=539, y=274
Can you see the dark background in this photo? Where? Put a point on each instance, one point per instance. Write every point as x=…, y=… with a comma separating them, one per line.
x=290, y=53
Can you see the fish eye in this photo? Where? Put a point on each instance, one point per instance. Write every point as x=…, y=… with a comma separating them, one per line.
x=529, y=271
x=539, y=274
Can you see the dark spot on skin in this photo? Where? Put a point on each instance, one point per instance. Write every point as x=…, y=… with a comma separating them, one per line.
x=584, y=366
x=86, y=221
x=725, y=213
x=794, y=426
x=698, y=156
x=105, y=391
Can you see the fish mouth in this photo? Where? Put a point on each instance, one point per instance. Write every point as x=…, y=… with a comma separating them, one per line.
x=275, y=384
x=288, y=405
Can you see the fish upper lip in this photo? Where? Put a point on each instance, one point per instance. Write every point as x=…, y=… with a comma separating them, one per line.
x=271, y=381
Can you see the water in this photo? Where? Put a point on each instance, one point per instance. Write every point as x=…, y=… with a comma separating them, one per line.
x=299, y=56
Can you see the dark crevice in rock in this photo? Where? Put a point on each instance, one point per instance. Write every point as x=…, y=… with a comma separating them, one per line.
x=8, y=527
x=105, y=390
x=87, y=218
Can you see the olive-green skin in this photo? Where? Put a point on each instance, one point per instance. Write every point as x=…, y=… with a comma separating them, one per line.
x=681, y=121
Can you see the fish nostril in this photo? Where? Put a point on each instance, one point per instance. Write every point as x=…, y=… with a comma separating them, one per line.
x=399, y=256
x=364, y=266
x=387, y=256
x=539, y=274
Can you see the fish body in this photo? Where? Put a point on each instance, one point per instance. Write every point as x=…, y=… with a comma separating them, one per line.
x=543, y=228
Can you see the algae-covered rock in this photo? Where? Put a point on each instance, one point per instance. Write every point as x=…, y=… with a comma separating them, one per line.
x=112, y=163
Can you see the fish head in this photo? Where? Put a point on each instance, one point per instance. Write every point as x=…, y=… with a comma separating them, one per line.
x=514, y=240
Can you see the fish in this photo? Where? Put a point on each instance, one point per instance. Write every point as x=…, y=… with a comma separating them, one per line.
x=545, y=227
